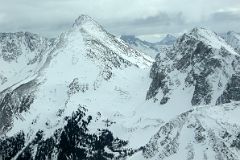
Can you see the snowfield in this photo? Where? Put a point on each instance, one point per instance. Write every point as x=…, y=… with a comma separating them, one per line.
x=91, y=96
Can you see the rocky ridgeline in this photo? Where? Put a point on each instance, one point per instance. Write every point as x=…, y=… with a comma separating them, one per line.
x=78, y=63
x=198, y=134
x=96, y=53
x=13, y=45
x=200, y=60
x=233, y=39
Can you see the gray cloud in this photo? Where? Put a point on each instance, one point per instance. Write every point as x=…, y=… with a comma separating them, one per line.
x=160, y=19
x=141, y=17
x=159, y=23
x=225, y=16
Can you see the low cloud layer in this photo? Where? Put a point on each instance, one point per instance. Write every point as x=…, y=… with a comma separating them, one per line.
x=140, y=17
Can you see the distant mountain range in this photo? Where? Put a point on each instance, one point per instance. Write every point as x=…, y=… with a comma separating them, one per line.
x=90, y=95
x=233, y=38
x=151, y=49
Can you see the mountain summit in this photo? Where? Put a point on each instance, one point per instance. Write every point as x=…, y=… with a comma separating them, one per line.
x=201, y=65
x=82, y=19
x=87, y=95
x=88, y=77
x=87, y=23
x=168, y=40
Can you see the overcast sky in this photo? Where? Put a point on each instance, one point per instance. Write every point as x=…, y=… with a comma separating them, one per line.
x=145, y=18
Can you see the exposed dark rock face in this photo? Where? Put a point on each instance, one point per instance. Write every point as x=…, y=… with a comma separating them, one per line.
x=168, y=143
x=14, y=102
x=158, y=77
x=9, y=147
x=202, y=140
x=195, y=66
x=73, y=141
x=35, y=53
x=200, y=66
x=202, y=92
x=15, y=44
x=22, y=54
x=99, y=48
x=232, y=91
x=108, y=55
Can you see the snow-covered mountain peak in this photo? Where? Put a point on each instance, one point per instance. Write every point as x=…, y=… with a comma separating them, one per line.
x=200, y=31
x=209, y=38
x=103, y=46
x=83, y=19
x=87, y=24
x=84, y=97
x=201, y=67
x=86, y=67
x=88, y=58
x=168, y=40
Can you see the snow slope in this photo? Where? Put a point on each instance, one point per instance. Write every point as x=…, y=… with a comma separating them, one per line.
x=87, y=100
x=21, y=56
x=86, y=67
x=233, y=39
x=198, y=70
x=206, y=132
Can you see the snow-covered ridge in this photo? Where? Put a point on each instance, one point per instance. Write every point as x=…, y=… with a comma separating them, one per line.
x=233, y=39
x=87, y=100
x=95, y=35
x=200, y=67
x=91, y=26
x=21, y=56
x=210, y=38
x=86, y=66
x=207, y=132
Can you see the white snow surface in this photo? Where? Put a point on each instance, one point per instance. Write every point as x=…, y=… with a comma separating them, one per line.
x=117, y=98
x=201, y=133
x=233, y=39
x=113, y=79
x=211, y=38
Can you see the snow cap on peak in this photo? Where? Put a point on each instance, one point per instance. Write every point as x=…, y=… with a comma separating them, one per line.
x=210, y=38
x=85, y=20
x=82, y=19
x=205, y=34
x=89, y=24
x=170, y=36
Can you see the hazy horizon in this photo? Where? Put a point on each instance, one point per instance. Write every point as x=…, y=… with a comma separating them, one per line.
x=147, y=19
